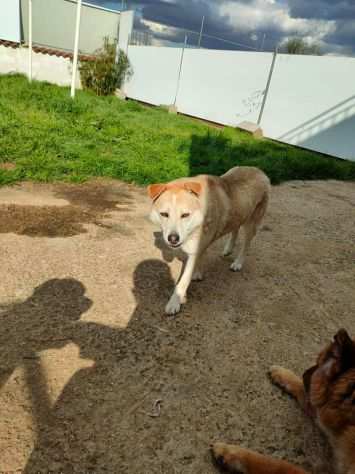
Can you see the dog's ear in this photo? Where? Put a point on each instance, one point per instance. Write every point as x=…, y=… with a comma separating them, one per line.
x=344, y=349
x=155, y=190
x=343, y=339
x=193, y=187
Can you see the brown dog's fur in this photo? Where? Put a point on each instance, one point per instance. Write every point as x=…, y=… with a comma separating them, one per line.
x=327, y=394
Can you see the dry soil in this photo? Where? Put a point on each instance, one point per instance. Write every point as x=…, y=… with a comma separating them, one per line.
x=86, y=350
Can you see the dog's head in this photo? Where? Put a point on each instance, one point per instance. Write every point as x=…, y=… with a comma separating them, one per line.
x=177, y=209
x=330, y=384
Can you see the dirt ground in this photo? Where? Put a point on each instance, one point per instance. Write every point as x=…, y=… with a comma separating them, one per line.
x=86, y=350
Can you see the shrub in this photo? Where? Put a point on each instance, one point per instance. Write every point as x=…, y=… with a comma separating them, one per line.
x=104, y=74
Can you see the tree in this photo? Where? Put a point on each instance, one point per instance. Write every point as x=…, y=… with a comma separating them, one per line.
x=301, y=46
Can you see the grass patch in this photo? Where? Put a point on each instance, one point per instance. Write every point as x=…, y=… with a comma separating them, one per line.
x=50, y=137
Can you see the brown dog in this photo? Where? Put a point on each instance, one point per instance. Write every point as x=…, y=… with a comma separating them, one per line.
x=327, y=394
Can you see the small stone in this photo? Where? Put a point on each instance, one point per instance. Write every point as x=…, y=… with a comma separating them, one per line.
x=120, y=94
x=251, y=128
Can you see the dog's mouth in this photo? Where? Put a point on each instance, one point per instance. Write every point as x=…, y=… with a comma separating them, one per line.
x=174, y=246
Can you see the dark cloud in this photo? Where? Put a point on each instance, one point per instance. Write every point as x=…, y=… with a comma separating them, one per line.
x=184, y=16
x=181, y=15
x=342, y=40
x=342, y=12
x=322, y=9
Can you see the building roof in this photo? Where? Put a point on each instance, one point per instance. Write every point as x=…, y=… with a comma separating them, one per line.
x=45, y=50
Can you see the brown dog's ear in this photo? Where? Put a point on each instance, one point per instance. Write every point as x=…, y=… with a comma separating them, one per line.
x=342, y=343
x=344, y=349
x=155, y=190
x=342, y=338
x=193, y=187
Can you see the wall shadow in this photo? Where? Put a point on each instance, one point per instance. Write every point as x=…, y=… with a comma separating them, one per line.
x=215, y=152
x=329, y=132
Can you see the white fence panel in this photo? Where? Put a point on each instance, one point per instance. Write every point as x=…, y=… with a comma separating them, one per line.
x=312, y=104
x=10, y=20
x=223, y=86
x=155, y=74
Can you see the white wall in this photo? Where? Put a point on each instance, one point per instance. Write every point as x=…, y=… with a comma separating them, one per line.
x=155, y=73
x=10, y=20
x=56, y=70
x=312, y=104
x=223, y=86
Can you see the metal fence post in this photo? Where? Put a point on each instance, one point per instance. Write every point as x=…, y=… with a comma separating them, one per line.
x=76, y=48
x=201, y=31
x=180, y=69
x=263, y=42
x=266, y=93
x=30, y=40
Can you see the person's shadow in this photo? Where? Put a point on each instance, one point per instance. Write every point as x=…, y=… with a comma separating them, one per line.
x=44, y=321
x=91, y=419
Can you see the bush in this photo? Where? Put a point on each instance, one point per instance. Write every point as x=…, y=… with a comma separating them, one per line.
x=104, y=75
x=301, y=46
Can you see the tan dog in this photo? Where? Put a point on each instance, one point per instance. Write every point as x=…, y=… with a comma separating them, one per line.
x=327, y=395
x=194, y=212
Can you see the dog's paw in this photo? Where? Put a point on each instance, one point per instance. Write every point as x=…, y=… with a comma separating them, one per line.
x=236, y=266
x=227, y=251
x=197, y=276
x=226, y=456
x=174, y=305
x=281, y=377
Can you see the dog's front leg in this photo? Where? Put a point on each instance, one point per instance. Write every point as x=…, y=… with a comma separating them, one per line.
x=243, y=461
x=178, y=297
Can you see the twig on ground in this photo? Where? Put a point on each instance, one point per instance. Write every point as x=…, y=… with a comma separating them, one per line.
x=156, y=409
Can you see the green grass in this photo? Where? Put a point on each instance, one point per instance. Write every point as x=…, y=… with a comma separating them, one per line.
x=51, y=137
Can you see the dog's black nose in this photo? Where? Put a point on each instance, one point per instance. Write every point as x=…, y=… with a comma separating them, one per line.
x=173, y=238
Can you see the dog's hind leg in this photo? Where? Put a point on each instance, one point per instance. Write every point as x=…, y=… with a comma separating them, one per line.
x=250, y=228
x=230, y=243
x=249, y=232
x=197, y=274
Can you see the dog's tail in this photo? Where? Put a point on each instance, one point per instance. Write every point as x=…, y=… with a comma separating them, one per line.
x=260, y=209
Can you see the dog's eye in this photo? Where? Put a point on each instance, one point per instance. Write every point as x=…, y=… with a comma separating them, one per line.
x=164, y=214
x=186, y=214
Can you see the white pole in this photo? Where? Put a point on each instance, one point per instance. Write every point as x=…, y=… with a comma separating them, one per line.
x=268, y=85
x=200, y=37
x=30, y=40
x=180, y=69
x=76, y=48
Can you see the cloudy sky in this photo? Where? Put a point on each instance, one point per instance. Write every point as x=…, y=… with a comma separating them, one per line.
x=331, y=23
